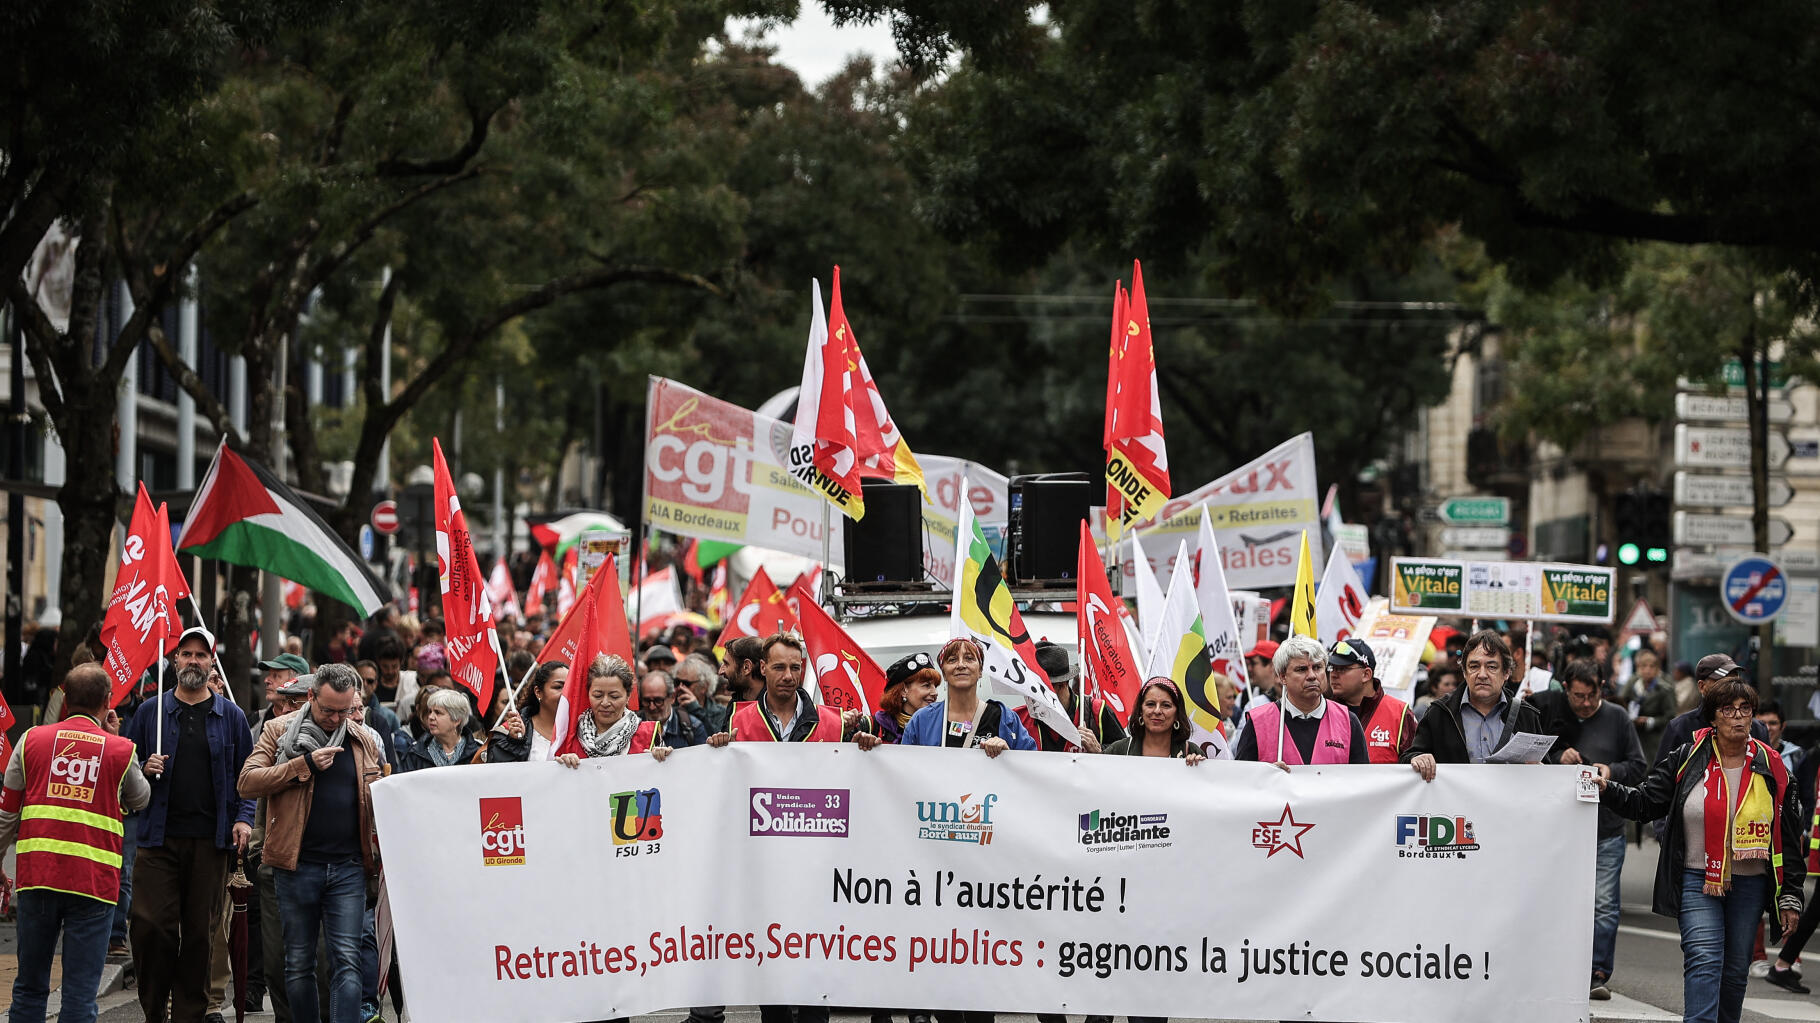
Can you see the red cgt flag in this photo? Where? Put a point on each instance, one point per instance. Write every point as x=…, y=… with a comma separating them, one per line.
x=1137, y=464
x=467, y=610
x=848, y=676
x=596, y=625
x=1110, y=670
x=142, y=624
x=761, y=612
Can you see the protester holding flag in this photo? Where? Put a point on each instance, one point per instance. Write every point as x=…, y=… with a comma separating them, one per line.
x=1100, y=725
x=600, y=726
x=538, y=708
x=445, y=740
x=1159, y=726
x=911, y=683
x=1302, y=726
x=1352, y=678
x=966, y=719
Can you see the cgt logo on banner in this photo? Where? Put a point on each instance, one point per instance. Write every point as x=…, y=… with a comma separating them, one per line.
x=961, y=820
x=502, y=831
x=637, y=817
x=798, y=813
x=1433, y=837
x=1107, y=830
x=76, y=767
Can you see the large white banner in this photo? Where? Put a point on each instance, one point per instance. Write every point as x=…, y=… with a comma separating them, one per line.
x=921, y=878
x=1259, y=511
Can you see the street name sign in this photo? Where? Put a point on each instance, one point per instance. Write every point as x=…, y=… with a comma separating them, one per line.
x=1693, y=528
x=1697, y=490
x=1707, y=447
x=1475, y=511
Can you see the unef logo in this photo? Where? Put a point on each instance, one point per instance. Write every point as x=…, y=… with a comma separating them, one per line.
x=502, y=832
x=962, y=820
x=637, y=817
x=76, y=767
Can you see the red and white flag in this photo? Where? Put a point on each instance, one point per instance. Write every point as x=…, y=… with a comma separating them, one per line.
x=848, y=677
x=883, y=453
x=500, y=589
x=762, y=612
x=565, y=585
x=824, y=446
x=659, y=597
x=467, y=611
x=1137, y=466
x=543, y=584
x=142, y=624
x=1110, y=669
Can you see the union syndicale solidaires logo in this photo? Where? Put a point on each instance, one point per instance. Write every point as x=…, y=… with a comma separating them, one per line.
x=502, y=831
x=1434, y=837
x=638, y=817
x=797, y=813
x=966, y=819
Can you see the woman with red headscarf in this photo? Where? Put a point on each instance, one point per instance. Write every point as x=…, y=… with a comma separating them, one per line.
x=1158, y=726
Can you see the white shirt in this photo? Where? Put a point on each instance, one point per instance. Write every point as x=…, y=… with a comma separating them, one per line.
x=540, y=747
x=1319, y=711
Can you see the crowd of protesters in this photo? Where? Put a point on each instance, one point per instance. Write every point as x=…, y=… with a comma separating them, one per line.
x=279, y=804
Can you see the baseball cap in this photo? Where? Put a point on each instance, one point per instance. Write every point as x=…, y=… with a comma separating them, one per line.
x=289, y=662
x=1266, y=649
x=197, y=630
x=906, y=666
x=1715, y=666
x=299, y=686
x=1348, y=652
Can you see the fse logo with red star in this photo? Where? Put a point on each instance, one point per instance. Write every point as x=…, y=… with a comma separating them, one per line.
x=1284, y=833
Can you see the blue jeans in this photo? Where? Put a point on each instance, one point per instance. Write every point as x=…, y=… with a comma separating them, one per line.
x=1605, y=904
x=84, y=923
x=326, y=899
x=1717, y=933
x=129, y=845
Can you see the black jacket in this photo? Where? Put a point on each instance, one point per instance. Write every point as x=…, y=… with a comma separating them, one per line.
x=416, y=756
x=1662, y=794
x=1441, y=734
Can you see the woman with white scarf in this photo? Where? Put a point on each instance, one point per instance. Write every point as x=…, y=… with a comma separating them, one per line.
x=445, y=740
x=603, y=727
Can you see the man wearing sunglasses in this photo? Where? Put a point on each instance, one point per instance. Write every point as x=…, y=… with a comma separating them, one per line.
x=1352, y=677
x=1712, y=668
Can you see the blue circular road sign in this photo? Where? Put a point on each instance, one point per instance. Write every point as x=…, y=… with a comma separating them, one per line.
x=1754, y=589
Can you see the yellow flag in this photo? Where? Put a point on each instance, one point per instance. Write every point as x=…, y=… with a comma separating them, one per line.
x=1301, y=613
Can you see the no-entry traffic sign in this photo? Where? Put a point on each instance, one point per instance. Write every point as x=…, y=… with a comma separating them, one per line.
x=385, y=517
x=1754, y=589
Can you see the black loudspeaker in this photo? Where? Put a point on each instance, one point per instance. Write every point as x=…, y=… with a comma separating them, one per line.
x=1045, y=524
x=887, y=545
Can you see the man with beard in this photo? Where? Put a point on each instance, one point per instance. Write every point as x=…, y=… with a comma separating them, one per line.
x=743, y=669
x=193, y=743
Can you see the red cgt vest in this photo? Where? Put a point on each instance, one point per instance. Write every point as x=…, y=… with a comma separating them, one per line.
x=1332, y=742
x=1384, y=732
x=69, y=824
x=750, y=724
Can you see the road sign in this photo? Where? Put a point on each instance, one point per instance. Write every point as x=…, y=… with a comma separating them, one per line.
x=1475, y=511
x=1355, y=540
x=367, y=541
x=1641, y=620
x=1753, y=589
x=1707, y=447
x=1696, y=490
x=385, y=517
x=1475, y=537
x=1732, y=373
x=1706, y=408
x=1693, y=528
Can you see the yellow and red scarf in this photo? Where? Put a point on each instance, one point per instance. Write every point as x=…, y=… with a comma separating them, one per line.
x=1740, y=834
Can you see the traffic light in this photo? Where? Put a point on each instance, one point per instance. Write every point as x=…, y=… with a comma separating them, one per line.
x=1643, y=526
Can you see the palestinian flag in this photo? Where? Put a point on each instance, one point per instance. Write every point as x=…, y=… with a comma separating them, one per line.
x=246, y=516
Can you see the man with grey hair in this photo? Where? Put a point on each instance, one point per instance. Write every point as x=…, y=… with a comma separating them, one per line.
x=656, y=702
x=696, y=679
x=1301, y=726
x=315, y=768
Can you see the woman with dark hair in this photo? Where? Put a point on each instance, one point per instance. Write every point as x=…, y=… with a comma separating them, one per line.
x=1732, y=848
x=510, y=743
x=965, y=719
x=1158, y=727
x=911, y=683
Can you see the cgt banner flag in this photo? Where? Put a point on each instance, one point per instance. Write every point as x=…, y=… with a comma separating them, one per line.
x=919, y=878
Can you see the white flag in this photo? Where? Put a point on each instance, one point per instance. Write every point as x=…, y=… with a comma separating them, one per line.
x=1225, y=643
x=1149, y=602
x=1180, y=653
x=1339, y=605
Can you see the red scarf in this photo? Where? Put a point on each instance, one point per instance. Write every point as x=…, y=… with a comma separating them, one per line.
x=1736, y=828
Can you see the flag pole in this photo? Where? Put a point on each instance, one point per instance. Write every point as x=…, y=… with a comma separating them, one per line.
x=164, y=636
x=219, y=670
x=827, y=579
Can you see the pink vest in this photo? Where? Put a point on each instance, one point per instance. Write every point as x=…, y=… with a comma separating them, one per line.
x=1332, y=743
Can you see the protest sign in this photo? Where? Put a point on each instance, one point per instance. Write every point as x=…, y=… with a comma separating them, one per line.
x=1259, y=511
x=985, y=489
x=1521, y=590
x=1398, y=641
x=1034, y=882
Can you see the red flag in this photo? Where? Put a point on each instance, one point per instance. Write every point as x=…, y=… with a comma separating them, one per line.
x=500, y=589
x=142, y=624
x=848, y=676
x=1115, y=506
x=810, y=582
x=1137, y=466
x=761, y=612
x=543, y=584
x=565, y=586
x=467, y=611
x=596, y=626
x=1109, y=669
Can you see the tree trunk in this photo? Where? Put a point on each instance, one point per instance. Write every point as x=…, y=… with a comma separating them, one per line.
x=89, y=503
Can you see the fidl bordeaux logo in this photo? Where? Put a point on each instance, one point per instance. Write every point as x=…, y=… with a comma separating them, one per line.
x=1422, y=836
x=637, y=817
x=502, y=832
